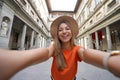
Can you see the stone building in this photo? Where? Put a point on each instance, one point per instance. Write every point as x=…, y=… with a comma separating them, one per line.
x=26, y=28
x=99, y=24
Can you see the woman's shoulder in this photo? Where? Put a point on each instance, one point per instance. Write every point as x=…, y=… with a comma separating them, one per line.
x=78, y=48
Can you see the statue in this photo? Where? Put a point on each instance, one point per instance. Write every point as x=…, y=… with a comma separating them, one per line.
x=4, y=28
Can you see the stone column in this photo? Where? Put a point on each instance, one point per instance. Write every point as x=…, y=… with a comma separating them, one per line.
x=82, y=42
x=42, y=41
x=45, y=42
x=79, y=41
x=90, y=41
x=32, y=39
x=22, y=47
x=97, y=41
x=37, y=41
x=109, y=42
x=85, y=42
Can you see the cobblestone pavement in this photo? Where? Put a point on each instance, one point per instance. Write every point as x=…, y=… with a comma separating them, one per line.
x=42, y=72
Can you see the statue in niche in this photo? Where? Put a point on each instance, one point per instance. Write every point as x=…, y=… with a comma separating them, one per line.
x=4, y=27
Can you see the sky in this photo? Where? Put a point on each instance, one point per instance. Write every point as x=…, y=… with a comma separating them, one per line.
x=63, y=5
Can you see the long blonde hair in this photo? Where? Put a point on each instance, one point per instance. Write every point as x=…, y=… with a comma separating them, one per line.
x=60, y=59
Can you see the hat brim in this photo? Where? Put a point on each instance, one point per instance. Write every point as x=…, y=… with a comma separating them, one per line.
x=56, y=22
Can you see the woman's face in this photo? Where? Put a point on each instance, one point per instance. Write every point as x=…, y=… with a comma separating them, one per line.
x=64, y=33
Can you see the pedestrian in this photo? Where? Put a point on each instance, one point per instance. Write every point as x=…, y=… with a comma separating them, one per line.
x=65, y=53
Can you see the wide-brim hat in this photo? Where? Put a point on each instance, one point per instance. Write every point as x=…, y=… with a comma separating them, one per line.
x=57, y=21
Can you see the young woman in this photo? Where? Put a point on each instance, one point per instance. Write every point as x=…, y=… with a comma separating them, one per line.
x=64, y=51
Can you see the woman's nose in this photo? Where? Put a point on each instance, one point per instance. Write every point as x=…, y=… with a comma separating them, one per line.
x=64, y=31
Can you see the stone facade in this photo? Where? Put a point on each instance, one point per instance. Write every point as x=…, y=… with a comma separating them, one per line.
x=98, y=24
x=26, y=29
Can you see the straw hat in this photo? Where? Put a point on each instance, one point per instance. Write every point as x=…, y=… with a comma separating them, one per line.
x=56, y=23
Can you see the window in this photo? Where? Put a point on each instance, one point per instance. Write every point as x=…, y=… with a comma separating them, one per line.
x=112, y=3
x=23, y=2
x=37, y=20
x=91, y=21
x=90, y=9
x=32, y=12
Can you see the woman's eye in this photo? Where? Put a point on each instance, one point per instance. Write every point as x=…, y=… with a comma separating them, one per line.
x=59, y=30
x=67, y=28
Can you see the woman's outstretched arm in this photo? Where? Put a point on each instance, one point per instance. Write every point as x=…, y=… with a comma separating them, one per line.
x=12, y=61
x=101, y=59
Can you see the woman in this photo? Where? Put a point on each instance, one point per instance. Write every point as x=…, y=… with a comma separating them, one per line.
x=65, y=55
x=64, y=52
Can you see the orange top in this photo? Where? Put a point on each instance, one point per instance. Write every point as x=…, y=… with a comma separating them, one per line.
x=70, y=71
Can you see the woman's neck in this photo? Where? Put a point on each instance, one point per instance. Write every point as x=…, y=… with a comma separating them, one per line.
x=66, y=46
